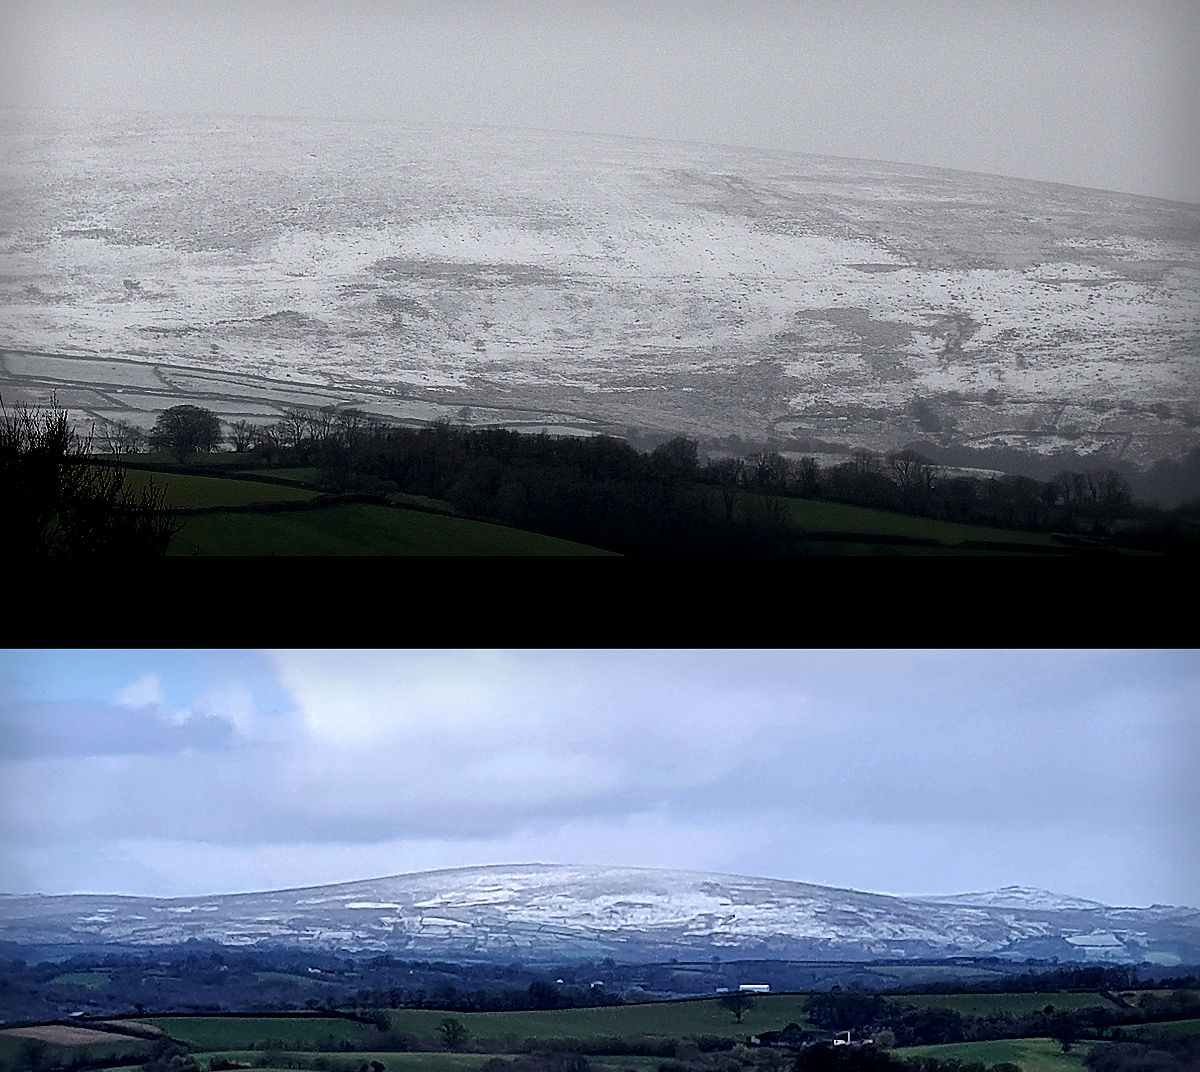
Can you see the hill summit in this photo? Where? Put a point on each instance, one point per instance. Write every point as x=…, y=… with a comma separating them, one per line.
x=548, y=912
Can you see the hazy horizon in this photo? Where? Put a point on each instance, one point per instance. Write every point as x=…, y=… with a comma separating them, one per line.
x=1099, y=95
x=465, y=124
x=929, y=895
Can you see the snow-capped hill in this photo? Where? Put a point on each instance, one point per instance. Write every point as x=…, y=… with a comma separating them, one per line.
x=1018, y=897
x=548, y=912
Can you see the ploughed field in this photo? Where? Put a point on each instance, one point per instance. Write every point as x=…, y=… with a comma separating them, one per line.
x=586, y=283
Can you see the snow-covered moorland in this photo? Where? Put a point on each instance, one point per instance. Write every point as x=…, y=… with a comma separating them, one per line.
x=592, y=282
x=546, y=911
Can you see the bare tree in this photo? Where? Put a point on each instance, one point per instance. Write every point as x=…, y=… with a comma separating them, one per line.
x=242, y=435
x=124, y=437
x=913, y=474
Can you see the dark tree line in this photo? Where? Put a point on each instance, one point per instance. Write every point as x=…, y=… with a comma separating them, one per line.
x=603, y=491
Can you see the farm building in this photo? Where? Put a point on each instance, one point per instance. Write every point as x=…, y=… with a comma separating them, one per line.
x=792, y=1037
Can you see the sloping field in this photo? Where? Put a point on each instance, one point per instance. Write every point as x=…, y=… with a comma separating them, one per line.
x=809, y=515
x=393, y=1061
x=1002, y=1004
x=673, y=1018
x=589, y=283
x=59, y=1044
x=1033, y=1055
x=360, y=529
x=239, y=1032
x=424, y=1062
x=92, y=980
x=1169, y=1029
x=666, y=1019
x=59, y=1034
x=186, y=489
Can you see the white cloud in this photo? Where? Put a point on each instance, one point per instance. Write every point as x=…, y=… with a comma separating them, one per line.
x=146, y=691
x=895, y=771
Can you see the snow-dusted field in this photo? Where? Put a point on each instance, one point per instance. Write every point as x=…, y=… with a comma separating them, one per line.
x=589, y=282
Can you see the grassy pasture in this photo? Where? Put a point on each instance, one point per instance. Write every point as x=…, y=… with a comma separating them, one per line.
x=1168, y=1029
x=185, y=489
x=817, y=516
x=395, y=1062
x=90, y=980
x=422, y=1062
x=931, y=972
x=1001, y=1004
x=1032, y=1054
x=704, y=1016
x=304, y=474
x=305, y=982
x=497, y=1029
x=360, y=529
x=238, y=1032
x=1133, y=996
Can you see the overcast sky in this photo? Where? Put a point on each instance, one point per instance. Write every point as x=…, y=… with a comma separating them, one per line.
x=1099, y=93
x=172, y=773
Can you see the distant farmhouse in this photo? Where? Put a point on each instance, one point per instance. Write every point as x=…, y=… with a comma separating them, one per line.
x=755, y=988
x=792, y=1037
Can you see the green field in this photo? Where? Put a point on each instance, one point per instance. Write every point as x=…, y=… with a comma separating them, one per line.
x=90, y=980
x=240, y=1032
x=811, y=515
x=1169, y=1029
x=306, y=475
x=184, y=489
x=922, y=973
x=670, y=1019
x=1032, y=1054
x=421, y=1062
x=305, y=982
x=295, y=1040
x=1002, y=1004
x=360, y=529
x=499, y=1029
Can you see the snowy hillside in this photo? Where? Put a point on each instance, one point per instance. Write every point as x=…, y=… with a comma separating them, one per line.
x=1016, y=897
x=589, y=283
x=552, y=912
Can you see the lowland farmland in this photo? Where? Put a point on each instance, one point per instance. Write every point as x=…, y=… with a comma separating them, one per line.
x=1042, y=1031
x=228, y=504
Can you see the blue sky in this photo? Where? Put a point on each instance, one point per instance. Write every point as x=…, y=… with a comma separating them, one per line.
x=901, y=771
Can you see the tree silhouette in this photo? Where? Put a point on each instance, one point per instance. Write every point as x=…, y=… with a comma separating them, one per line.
x=739, y=1003
x=184, y=430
